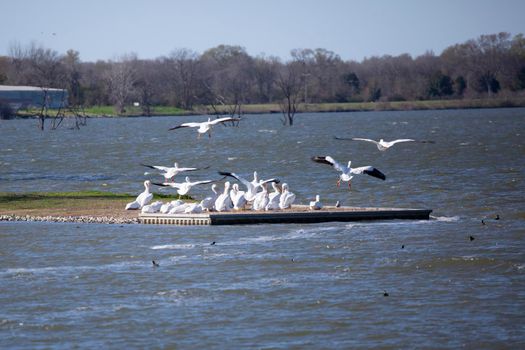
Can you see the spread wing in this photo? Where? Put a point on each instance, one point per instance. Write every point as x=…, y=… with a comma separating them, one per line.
x=270, y=180
x=157, y=167
x=168, y=184
x=401, y=140
x=237, y=177
x=366, y=140
x=330, y=161
x=222, y=120
x=186, y=125
x=202, y=182
x=369, y=170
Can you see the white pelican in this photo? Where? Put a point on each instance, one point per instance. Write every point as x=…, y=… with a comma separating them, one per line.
x=347, y=172
x=193, y=208
x=316, y=205
x=382, y=145
x=142, y=199
x=287, y=197
x=208, y=203
x=251, y=186
x=223, y=202
x=183, y=187
x=205, y=127
x=179, y=208
x=237, y=197
x=170, y=172
x=152, y=208
x=261, y=199
x=273, y=198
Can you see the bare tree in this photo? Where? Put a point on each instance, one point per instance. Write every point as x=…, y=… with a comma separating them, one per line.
x=229, y=78
x=289, y=82
x=184, y=68
x=120, y=81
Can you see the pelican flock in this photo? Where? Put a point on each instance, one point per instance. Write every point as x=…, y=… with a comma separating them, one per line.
x=254, y=194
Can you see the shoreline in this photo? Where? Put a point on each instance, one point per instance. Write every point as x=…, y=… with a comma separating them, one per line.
x=70, y=219
x=273, y=108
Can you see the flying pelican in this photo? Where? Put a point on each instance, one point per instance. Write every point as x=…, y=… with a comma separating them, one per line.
x=170, y=172
x=183, y=187
x=205, y=127
x=382, y=145
x=142, y=199
x=316, y=205
x=347, y=173
x=251, y=186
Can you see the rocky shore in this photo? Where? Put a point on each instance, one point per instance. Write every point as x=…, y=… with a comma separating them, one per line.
x=76, y=219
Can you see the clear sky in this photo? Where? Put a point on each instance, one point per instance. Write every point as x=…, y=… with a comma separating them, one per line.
x=108, y=29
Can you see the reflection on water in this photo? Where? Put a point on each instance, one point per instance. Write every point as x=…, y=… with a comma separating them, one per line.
x=274, y=286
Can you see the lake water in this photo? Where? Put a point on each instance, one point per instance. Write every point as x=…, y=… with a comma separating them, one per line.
x=274, y=286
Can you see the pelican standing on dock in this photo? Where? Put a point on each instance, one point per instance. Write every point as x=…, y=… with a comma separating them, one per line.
x=142, y=199
x=205, y=127
x=224, y=202
x=208, y=203
x=261, y=199
x=347, y=172
x=237, y=197
x=287, y=197
x=273, y=198
x=316, y=205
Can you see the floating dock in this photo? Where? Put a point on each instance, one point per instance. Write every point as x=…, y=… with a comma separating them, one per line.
x=298, y=214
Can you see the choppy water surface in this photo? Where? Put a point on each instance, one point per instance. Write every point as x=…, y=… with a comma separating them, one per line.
x=274, y=286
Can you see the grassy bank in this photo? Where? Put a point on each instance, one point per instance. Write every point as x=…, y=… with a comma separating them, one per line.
x=131, y=111
x=85, y=203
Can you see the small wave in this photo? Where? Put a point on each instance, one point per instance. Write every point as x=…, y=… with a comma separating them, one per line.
x=232, y=158
x=271, y=131
x=68, y=269
x=173, y=246
x=445, y=218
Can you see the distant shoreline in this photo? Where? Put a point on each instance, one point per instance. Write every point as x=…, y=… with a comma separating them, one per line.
x=273, y=108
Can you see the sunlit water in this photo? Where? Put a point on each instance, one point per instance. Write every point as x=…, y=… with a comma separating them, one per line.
x=274, y=286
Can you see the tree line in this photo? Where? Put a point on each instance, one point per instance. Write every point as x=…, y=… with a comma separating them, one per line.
x=491, y=65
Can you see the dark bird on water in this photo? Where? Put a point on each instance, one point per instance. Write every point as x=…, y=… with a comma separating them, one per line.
x=483, y=222
x=212, y=243
x=155, y=264
x=403, y=246
x=385, y=294
x=471, y=238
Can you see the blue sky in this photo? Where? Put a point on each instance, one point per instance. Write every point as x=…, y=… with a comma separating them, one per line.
x=108, y=29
